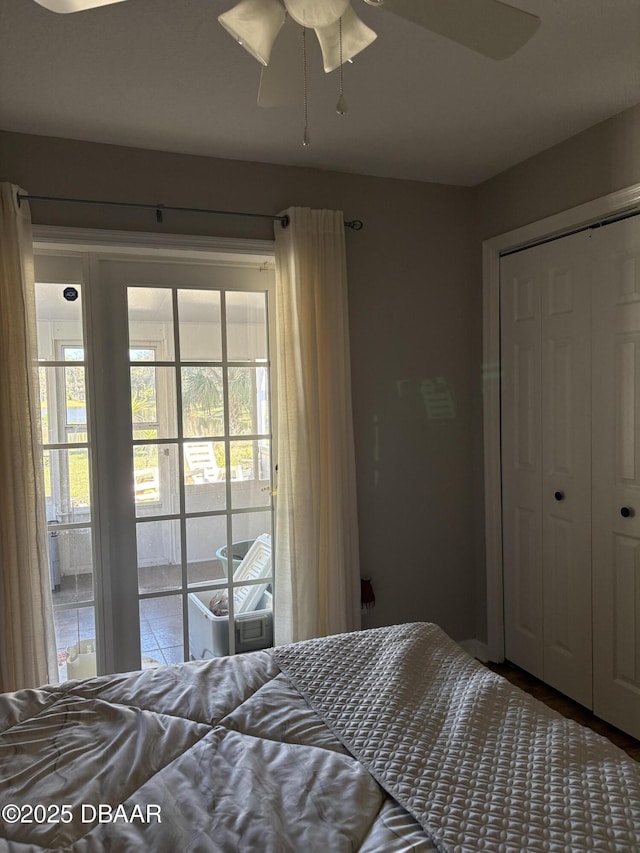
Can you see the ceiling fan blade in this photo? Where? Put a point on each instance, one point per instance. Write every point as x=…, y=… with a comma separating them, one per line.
x=281, y=79
x=489, y=27
x=65, y=6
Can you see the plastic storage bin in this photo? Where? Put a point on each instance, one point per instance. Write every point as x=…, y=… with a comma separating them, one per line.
x=209, y=634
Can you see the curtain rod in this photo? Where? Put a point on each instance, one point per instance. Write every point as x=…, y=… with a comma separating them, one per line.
x=355, y=224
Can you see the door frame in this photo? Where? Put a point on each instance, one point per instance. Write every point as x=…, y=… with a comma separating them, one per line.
x=560, y=224
x=106, y=244
x=131, y=242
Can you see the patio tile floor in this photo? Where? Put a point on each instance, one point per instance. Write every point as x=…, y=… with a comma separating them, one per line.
x=161, y=630
x=161, y=638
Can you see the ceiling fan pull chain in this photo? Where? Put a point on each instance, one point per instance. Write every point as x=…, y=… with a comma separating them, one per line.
x=341, y=106
x=305, y=135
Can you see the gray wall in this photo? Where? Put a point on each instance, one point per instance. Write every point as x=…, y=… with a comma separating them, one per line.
x=415, y=295
x=598, y=161
x=410, y=293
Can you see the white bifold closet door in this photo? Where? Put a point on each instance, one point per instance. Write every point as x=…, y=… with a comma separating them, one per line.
x=570, y=318
x=546, y=462
x=616, y=474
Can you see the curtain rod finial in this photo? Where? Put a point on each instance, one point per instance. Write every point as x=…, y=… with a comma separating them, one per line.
x=355, y=224
x=284, y=222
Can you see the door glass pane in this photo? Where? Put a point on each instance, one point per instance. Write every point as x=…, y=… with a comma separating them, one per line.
x=66, y=479
x=246, y=326
x=151, y=321
x=59, y=318
x=76, y=642
x=253, y=488
x=202, y=401
x=70, y=564
x=200, y=327
x=63, y=408
x=75, y=406
x=206, y=548
x=155, y=477
x=153, y=402
x=161, y=631
x=246, y=528
x=204, y=476
x=159, y=555
x=243, y=401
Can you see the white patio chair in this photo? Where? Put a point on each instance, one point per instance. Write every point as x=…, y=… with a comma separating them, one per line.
x=201, y=462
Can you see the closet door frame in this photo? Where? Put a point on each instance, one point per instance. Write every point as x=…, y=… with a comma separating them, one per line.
x=561, y=224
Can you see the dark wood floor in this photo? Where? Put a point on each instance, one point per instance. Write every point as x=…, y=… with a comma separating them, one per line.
x=565, y=706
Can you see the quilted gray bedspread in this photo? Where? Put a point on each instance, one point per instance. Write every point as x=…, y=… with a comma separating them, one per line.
x=230, y=756
x=480, y=764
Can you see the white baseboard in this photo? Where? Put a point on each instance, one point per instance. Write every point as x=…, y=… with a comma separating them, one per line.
x=476, y=649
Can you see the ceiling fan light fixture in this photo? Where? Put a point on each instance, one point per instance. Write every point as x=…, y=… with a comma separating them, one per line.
x=316, y=13
x=65, y=6
x=254, y=24
x=356, y=35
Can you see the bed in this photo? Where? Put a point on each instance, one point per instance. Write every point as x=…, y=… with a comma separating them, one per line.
x=392, y=739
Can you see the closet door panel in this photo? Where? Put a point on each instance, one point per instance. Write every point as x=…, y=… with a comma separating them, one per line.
x=521, y=460
x=546, y=454
x=566, y=465
x=616, y=474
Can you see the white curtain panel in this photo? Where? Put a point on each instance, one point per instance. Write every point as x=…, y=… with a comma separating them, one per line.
x=27, y=641
x=317, y=570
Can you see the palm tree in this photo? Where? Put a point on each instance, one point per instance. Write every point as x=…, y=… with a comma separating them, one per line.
x=203, y=400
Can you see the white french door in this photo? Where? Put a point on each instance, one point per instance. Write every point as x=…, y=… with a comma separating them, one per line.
x=177, y=435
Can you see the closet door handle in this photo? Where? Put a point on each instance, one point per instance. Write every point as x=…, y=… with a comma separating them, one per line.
x=559, y=496
x=626, y=512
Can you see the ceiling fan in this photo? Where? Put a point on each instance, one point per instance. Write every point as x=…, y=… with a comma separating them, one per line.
x=490, y=27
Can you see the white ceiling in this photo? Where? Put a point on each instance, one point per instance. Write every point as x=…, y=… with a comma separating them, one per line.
x=163, y=74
